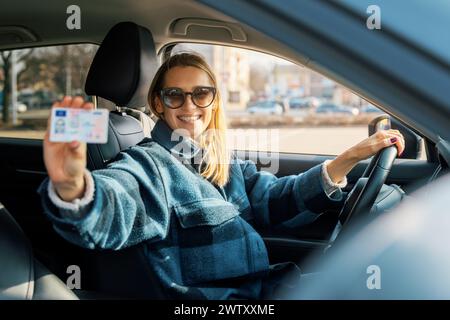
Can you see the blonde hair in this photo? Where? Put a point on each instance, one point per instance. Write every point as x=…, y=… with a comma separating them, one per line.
x=216, y=155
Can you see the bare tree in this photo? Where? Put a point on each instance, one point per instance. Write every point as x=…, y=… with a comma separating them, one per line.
x=5, y=56
x=48, y=72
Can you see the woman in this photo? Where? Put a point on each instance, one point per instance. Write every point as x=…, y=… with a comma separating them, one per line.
x=196, y=208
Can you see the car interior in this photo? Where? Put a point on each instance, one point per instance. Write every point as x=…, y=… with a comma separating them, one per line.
x=134, y=37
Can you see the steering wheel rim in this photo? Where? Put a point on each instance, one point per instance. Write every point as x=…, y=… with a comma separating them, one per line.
x=365, y=191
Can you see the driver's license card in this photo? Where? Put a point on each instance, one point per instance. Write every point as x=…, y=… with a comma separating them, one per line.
x=90, y=126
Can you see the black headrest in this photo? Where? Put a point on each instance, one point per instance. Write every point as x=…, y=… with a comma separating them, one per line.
x=123, y=66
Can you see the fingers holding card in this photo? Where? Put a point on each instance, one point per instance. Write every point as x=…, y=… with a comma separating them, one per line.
x=80, y=124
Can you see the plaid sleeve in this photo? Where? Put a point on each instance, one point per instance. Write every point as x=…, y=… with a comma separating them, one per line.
x=275, y=200
x=128, y=206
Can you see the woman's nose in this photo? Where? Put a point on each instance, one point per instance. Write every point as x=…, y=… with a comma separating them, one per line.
x=188, y=103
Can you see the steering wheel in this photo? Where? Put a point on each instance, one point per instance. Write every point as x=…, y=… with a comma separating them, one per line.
x=365, y=191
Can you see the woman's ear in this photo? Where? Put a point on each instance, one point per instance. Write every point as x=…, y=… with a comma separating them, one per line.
x=158, y=105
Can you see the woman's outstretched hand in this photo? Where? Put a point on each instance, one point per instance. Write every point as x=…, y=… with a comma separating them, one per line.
x=341, y=166
x=66, y=161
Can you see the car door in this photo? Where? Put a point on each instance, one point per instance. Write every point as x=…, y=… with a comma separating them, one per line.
x=21, y=148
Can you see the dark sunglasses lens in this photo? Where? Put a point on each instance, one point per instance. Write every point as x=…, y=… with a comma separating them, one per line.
x=203, y=96
x=173, y=98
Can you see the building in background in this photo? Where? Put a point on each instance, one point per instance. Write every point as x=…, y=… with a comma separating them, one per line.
x=232, y=69
x=245, y=76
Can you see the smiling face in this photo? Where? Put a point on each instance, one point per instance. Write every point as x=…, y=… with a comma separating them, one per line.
x=189, y=117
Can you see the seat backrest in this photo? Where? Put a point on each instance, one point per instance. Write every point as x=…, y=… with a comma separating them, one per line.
x=125, y=274
x=121, y=72
x=21, y=276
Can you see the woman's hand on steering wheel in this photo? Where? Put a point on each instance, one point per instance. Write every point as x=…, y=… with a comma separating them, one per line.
x=379, y=140
x=342, y=164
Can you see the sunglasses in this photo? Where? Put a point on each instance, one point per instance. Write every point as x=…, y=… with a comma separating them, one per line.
x=174, y=98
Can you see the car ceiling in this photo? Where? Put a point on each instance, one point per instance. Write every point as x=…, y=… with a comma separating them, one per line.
x=47, y=21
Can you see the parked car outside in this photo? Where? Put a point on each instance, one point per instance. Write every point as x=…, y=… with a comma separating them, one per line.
x=330, y=107
x=265, y=107
x=370, y=108
x=302, y=103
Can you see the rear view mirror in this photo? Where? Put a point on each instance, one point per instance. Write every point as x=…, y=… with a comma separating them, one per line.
x=413, y=142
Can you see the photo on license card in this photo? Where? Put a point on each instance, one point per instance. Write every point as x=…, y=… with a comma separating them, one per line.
x=69, y=124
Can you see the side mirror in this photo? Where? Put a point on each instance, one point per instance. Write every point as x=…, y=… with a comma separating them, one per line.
x=413, y=142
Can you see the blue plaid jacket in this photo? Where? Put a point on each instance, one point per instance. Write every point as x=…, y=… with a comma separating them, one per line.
x=201, y=240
